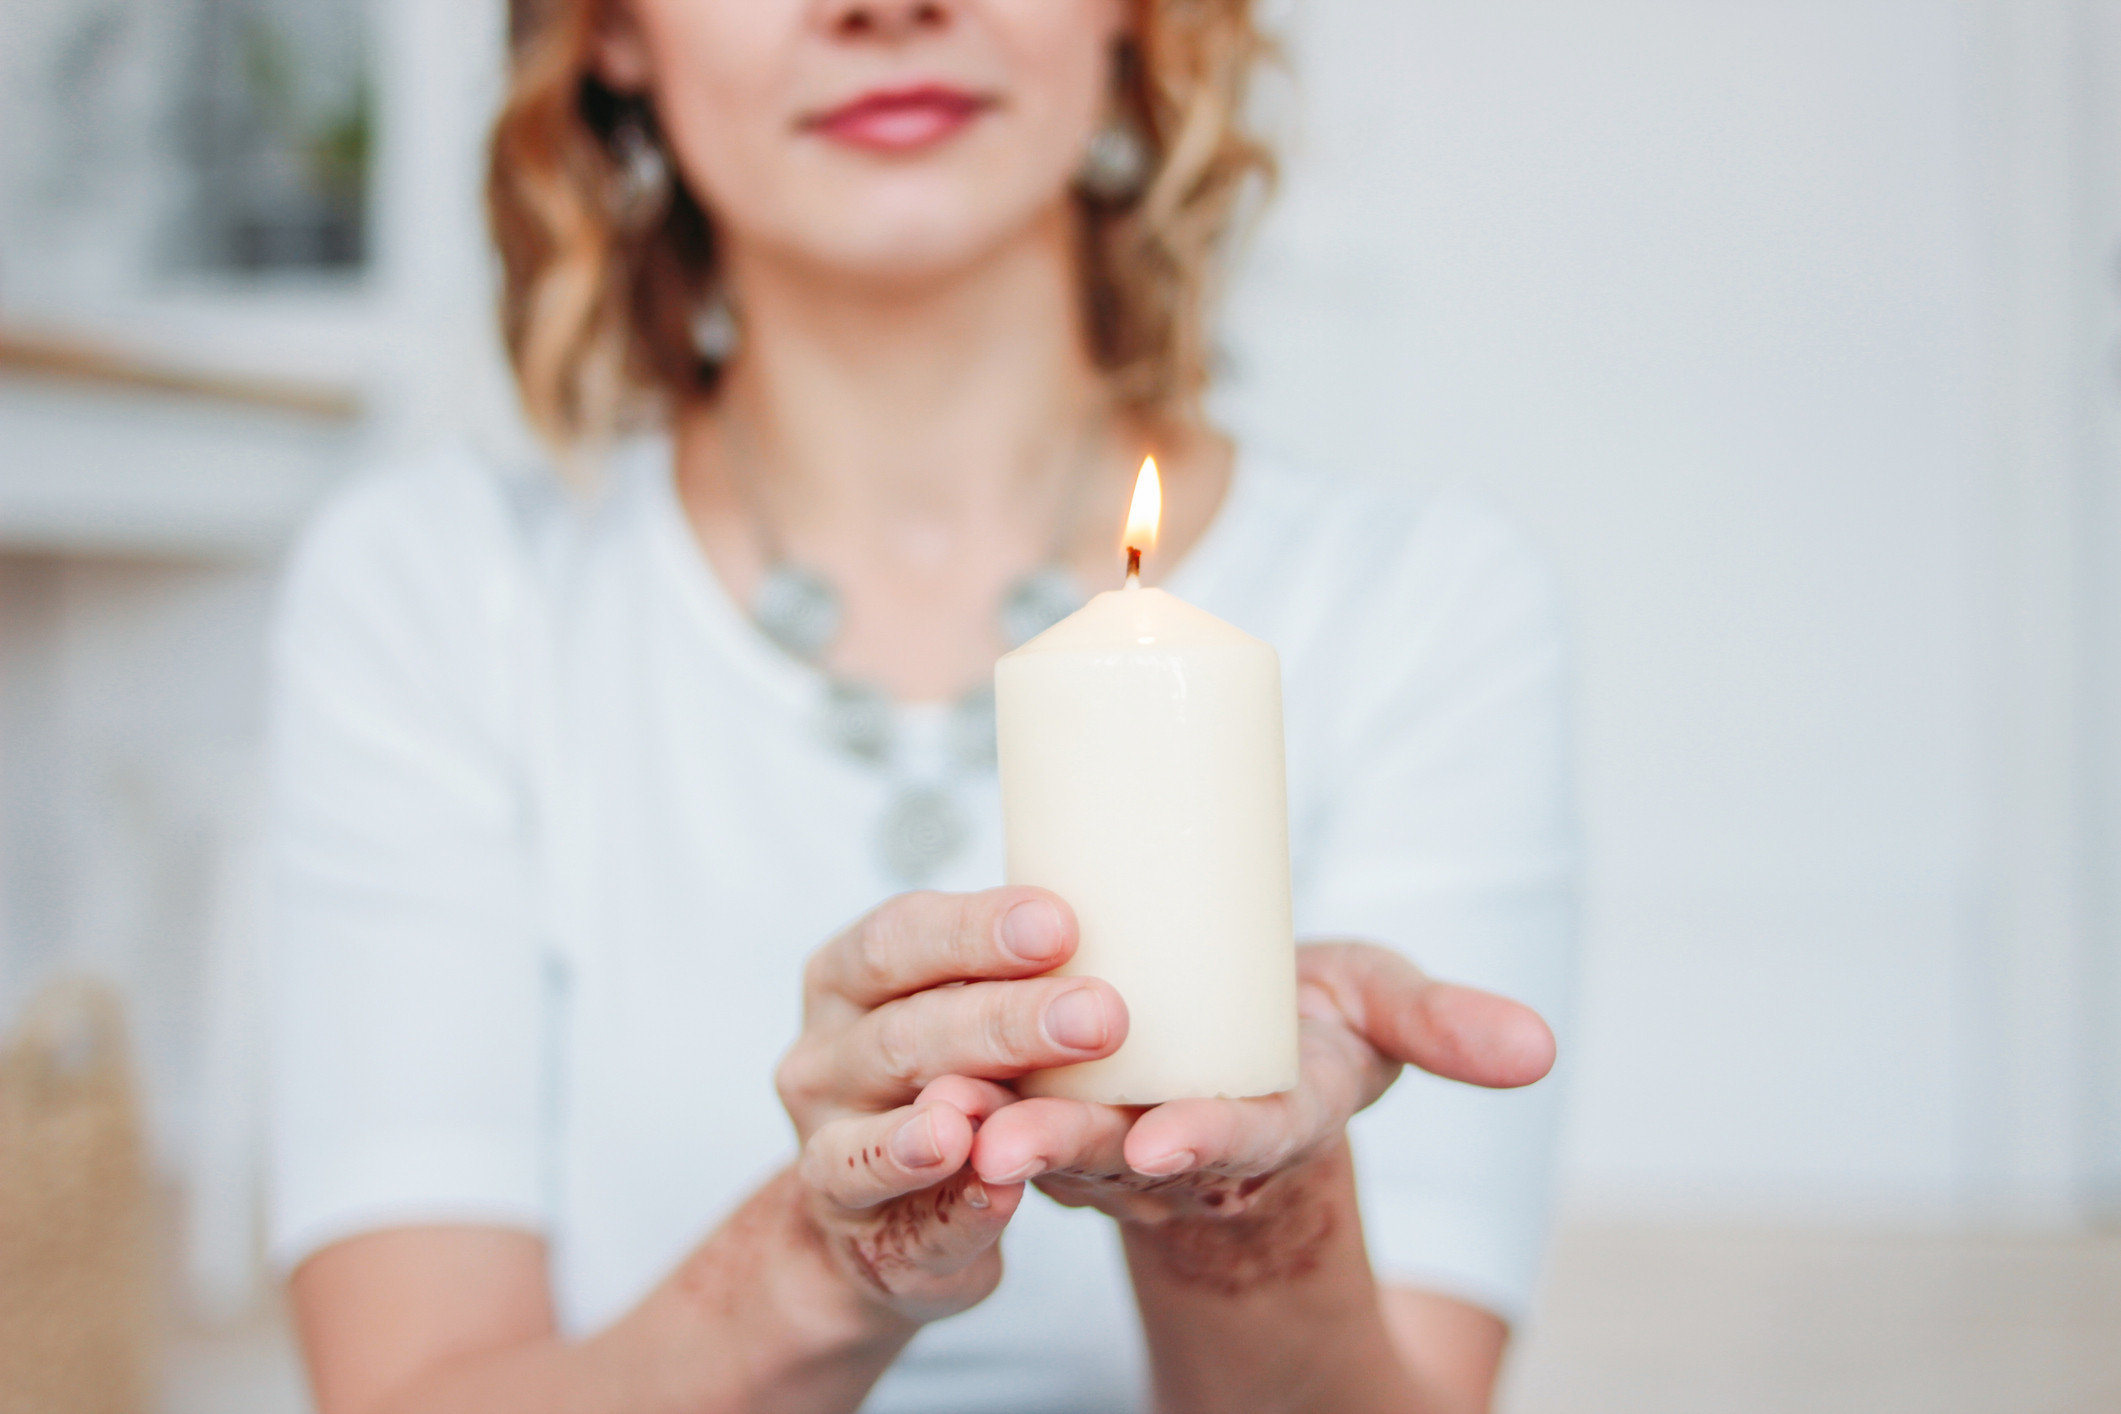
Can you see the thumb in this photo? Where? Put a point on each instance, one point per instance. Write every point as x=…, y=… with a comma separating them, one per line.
x=1459, y=1033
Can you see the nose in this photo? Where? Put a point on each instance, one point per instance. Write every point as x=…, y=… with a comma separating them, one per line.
x=888, y=19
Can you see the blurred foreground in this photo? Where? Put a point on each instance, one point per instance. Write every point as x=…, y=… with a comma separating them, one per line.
x=1678, y=1320
x=1671, y=1320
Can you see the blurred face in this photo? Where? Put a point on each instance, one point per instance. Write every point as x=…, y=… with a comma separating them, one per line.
x=888, y=138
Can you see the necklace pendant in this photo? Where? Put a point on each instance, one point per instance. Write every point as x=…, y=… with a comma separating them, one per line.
x=922, y=830
x=857, y=719
x=798, y=609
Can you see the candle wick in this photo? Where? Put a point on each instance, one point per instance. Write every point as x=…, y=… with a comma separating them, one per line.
x=1134, y=565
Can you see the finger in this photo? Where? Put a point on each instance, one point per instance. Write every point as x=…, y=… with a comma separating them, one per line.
x=921, y=940
x=1459, y=1033
x=1045, y=1135
x=1341, y=1073
x=1230, y=1136
x=989, y=1030
x=864, y=1160
x=977, y=1100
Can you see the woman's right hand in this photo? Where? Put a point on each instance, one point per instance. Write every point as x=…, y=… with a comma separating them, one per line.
x=912, y=1018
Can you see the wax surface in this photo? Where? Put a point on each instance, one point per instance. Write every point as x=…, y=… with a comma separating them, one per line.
x=1143, y=781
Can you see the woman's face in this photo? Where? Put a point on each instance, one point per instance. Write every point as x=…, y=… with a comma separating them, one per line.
x=886, y=138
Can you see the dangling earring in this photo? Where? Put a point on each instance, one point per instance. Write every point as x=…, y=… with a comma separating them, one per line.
x=1115, y=165
x=643, y=185
x=715, y=335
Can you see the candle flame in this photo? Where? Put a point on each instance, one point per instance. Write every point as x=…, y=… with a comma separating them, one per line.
x=1147, y=512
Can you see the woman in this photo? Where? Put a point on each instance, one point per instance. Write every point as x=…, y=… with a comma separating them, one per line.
x=905, y=289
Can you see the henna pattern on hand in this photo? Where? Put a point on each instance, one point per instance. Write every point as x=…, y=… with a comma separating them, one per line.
x=885, y=1249
x=1234, y=1256
x=722, y=1275
x=1280, y=1238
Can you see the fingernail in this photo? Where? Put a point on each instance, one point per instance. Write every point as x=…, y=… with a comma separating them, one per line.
x=1033, y=931
x=1076, y=1019
x=914, y=1145
x=975, y=1193
x=1169, y=1164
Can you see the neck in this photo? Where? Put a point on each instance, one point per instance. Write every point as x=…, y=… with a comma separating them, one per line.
x=957, y=398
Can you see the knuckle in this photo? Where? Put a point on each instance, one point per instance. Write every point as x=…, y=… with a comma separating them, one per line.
x=898, y=1046
x=796, y=1078
x=824, y=1168
x=873, y=951
x=881, y=943
x=1008, y=1024
x=970, y=934
x=816, y=1167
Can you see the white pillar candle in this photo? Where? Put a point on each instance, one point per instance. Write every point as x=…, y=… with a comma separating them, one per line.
x=1143, y=781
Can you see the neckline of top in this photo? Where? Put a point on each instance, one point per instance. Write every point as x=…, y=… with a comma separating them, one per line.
x=650, y=460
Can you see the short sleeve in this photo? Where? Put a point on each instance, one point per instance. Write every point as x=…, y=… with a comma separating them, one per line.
x=407, y=987
x=1451, y=838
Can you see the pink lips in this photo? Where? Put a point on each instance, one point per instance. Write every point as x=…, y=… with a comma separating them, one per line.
x=902, y=119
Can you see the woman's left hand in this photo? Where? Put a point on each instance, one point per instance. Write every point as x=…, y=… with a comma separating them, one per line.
x=1365, y=1011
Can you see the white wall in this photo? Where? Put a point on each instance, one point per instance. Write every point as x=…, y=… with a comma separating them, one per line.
x=1718, y=299
x=2100, y=531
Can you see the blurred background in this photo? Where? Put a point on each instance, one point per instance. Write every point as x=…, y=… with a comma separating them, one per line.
x=1790, y=328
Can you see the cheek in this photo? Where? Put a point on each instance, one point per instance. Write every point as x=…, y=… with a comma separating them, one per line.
x=1059, y=60
x=1061, y=57
x=1064, y=101
x=717, y=67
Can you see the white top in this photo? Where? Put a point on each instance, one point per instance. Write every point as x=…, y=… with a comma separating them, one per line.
x=553, y=831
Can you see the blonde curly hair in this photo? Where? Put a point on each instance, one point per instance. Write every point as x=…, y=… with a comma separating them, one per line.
x=598, y=298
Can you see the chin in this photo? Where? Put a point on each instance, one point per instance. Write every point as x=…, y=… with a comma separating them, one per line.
x=913, y=226
x=920, y=251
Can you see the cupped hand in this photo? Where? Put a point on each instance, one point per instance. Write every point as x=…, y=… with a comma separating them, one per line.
x=911, y=1019
x=1365, y=1011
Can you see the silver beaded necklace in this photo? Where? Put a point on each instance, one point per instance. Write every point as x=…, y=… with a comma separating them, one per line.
x=923, y=827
